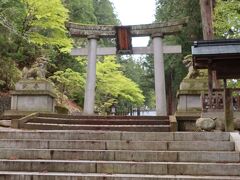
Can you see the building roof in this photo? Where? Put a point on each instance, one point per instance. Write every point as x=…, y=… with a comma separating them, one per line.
x=216, y=47
x=222, y=55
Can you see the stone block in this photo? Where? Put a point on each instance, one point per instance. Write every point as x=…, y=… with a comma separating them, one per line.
x=220, y=157
x=146, y=156
x=202, y=136
x=235, y=137
x=150, y=136
x=28, y=85
x=132, y=168
x=201, y=169
x=188, y=102
x=33, y=96
x=136, y=145
x=194, y=84
x=200, y=146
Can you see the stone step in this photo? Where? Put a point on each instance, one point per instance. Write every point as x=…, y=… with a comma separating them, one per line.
x=100, y=121
x=119, y=145
x=117, y=155
x=62, y=116
x=7, y=175
x=123, y=167
x=108, y=135
x=134, y=128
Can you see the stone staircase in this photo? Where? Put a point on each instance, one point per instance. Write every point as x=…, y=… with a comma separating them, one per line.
x=116, y=155
x=106, y=123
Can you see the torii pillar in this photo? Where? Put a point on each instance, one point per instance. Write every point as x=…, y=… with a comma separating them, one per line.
x=160, y=89
x=89, y=98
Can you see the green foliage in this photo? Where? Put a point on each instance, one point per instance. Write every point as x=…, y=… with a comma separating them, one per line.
x=103, y=10
x=112, y=85
x=227, y=18
x=9, y=74
x=30, y=28
x=70, y=83
x=37, y=22
x=81, y=11
x=44, y=23
x=139, y=72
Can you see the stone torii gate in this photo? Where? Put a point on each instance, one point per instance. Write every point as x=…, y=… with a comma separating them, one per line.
x=123, y=35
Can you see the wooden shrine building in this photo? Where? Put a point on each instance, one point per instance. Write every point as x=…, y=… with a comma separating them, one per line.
x=223, y=58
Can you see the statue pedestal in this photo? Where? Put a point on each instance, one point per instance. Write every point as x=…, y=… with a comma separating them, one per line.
x=189, y=103
x=32, y=96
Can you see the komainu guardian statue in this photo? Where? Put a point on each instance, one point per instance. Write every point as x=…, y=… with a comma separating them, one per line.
x=193, y=73
x=37, y=71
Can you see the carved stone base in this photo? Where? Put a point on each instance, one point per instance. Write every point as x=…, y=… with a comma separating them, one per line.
x=32, y=96
x=189, y=94
x=189, y=105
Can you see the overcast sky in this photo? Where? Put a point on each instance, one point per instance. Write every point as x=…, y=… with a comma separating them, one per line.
x=132, y=12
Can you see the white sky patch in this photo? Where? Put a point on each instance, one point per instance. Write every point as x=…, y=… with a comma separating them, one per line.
x=132, y=12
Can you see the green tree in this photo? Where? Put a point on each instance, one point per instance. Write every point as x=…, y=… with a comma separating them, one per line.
x=44, y=23
x=9, y=74
x=81, y=11
x=227, y=18
x=138, y=71
x=113, y=86
x=69, y=83
x=104, y=12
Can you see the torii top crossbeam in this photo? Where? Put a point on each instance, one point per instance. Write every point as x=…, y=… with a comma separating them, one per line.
x=109, y=31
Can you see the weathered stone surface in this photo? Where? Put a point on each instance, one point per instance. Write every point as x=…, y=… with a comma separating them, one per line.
x=219, y=115
x=120, y=155
x=200, y=146
x=203, y=136
x=74, y=155
x=40, y=84
x=33, y=96
x=235, y=137
x=98, y=176
x=192, y=85
x=166, y=28
x=5, y=123
x=205, y=124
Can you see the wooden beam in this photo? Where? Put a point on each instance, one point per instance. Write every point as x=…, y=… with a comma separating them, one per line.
x=136, y=50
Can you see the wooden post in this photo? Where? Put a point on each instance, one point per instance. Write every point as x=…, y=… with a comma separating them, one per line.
x=210, y=85
x=170, y=92
x=228, y=110
x=207, y=26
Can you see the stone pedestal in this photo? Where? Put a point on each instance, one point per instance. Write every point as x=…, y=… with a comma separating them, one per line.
x=189, y=106
x=32, y=96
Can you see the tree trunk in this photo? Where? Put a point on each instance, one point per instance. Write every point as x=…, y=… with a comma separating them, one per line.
x=207, y=19
x=207, y=7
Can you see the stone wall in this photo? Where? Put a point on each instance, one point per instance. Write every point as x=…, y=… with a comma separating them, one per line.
x=5, y=103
